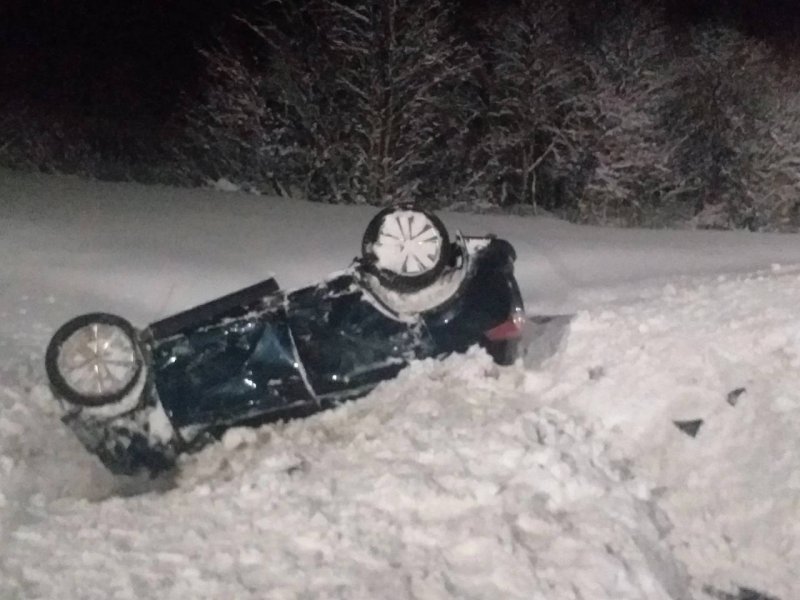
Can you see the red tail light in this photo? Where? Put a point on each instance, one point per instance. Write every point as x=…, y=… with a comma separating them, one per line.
x=508, y=330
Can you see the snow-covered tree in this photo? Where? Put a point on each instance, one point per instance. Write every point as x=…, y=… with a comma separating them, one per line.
x=773, y=181
x=396, y=65
x=230, y=133
x=625, y=60
x=357, y=103
x=710, y=111
x=535, y=117
x=604, y=114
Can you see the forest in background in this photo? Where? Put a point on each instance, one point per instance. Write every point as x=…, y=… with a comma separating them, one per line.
x=615, y=113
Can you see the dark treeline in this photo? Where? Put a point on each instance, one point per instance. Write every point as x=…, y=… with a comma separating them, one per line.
x=605, y=112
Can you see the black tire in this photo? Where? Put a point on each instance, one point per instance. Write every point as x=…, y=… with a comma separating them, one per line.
x=59, y=383
x=393, y=278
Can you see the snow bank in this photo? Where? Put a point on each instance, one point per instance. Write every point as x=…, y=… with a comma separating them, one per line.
x=447, y=482
x=458, y=479
x=725, y=351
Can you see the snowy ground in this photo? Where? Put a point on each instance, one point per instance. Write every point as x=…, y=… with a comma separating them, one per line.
x=457, y=480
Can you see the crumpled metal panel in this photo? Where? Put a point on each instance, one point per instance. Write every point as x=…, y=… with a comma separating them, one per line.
x=346, y=344
x=232, y=371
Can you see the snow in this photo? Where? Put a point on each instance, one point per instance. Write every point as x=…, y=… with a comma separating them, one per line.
x=564, y=477
x=225, y=185
x=407, y=305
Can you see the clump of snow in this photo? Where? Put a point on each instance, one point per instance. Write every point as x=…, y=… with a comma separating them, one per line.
x=159, y=426
x=408, y=305
x=225, y=185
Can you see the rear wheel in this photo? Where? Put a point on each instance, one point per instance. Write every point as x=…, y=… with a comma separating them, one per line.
x=94, y=360
x=406, y=248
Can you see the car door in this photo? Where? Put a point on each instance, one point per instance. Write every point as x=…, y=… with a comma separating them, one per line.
x=347, y=342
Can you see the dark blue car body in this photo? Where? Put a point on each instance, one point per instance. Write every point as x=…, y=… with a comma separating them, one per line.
x=263, y=354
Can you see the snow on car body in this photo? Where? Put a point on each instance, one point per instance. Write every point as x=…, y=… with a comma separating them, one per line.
x=138, y=398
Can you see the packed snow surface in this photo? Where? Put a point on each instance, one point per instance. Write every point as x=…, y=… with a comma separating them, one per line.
x=566, y=478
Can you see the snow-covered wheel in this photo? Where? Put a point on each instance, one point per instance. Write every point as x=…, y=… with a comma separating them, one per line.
x=94, y=360
x=406, y=248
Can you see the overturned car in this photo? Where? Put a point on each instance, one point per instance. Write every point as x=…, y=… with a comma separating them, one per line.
x=137, y=398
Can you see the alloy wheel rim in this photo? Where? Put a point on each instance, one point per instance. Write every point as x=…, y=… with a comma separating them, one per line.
x=98, y=359
x=408, y=243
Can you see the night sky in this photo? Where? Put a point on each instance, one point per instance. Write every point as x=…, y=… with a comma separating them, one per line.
x=104, y=57
x=101, y=57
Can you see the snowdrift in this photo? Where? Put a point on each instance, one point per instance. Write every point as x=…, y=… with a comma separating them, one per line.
x=561, y=478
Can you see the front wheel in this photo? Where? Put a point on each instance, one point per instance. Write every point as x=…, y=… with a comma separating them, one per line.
x=406, y=248
x=94, y=360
